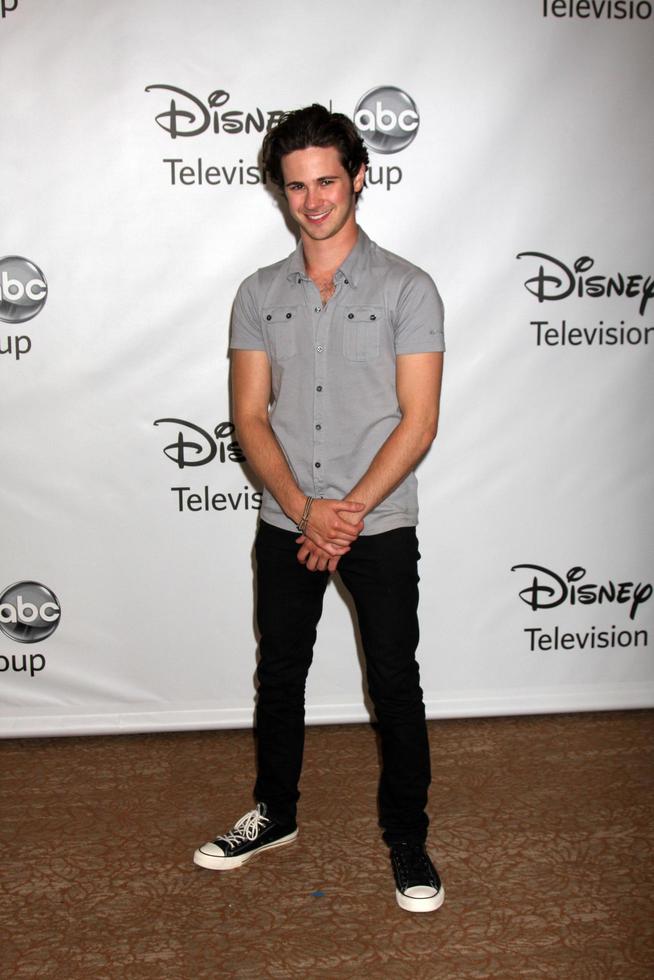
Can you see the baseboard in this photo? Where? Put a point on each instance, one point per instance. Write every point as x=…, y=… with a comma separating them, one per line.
x=118, y=720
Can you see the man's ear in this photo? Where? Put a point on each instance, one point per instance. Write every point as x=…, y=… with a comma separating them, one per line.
x=357, y=183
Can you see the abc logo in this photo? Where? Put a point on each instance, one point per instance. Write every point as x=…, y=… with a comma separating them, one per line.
x=387, y=119
x=23, y=290
x=28, y=612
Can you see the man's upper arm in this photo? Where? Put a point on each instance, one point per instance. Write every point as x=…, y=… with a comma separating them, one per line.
x=250, y=384
x=246, y=332
x=418, y=383
x=418, y=320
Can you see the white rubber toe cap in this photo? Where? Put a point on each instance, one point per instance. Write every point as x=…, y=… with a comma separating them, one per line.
x=213, y=857
x=420, y=898
x=211, y=850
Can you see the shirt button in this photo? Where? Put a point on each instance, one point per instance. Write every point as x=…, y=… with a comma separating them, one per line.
x=316, y=309
x=347, y=282
x=288, y=316
x=372, y=316
x=318, y=387
x=317, y=465
x=319, y=426
x=269, y=317
x=320, y=349
x=350, y=316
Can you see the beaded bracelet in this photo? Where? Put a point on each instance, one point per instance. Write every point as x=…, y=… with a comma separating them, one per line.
x=304, y=520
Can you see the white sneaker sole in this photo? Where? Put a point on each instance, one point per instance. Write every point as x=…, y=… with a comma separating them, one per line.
x=410, y=904
x=215, y=863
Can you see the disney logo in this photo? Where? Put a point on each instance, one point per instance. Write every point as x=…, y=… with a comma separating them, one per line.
x=548, y=590
x=189, y=116
x=554, y=280
x=196, y=447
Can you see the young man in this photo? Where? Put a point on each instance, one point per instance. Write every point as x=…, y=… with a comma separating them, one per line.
x=336, y=372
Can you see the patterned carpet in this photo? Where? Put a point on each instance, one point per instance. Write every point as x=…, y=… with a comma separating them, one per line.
x=542, y=829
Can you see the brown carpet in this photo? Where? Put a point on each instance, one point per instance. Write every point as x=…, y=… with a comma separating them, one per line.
x=542, y=828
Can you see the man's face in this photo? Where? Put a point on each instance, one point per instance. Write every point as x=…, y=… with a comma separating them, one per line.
x=320, y=192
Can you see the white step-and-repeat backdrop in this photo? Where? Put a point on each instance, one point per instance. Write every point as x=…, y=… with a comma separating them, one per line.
x=512, y=155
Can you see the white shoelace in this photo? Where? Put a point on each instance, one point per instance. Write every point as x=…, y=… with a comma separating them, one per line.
x=246, y=828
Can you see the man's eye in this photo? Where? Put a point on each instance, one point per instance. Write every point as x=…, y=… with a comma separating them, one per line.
x=326, y=182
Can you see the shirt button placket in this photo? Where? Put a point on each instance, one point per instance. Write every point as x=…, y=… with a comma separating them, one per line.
x=320, y=374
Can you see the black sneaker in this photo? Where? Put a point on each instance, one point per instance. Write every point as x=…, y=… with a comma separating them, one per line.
x=252, y=833
x=418, y=888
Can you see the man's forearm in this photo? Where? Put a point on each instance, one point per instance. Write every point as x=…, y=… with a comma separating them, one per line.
x=326, y=525
x=268, y=461
x=397, y=457
x=418, y=383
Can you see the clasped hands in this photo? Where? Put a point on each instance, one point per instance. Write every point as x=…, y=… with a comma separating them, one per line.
x=332, y=528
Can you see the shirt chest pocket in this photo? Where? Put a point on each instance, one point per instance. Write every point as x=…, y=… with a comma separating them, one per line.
x=361, y=331
x=280, y=326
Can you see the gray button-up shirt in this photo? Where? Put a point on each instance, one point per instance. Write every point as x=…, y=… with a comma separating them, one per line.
x=334, y=401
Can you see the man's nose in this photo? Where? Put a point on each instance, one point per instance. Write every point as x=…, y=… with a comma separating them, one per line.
x=312, y=198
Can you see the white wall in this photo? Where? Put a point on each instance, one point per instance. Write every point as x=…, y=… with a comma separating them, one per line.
x=535, y=135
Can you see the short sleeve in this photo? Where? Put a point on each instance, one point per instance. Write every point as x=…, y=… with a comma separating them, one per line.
x=419, y=319
x=246, y=332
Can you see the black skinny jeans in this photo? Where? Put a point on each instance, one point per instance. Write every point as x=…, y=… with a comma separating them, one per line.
x=380, y=572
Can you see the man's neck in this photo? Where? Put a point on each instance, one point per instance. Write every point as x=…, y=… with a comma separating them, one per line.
x=325, y=257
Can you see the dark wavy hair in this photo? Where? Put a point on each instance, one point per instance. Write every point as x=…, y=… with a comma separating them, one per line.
x=312, y=126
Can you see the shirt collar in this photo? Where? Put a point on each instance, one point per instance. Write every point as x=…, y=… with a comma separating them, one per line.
x=349, y=269
x=295, y=260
